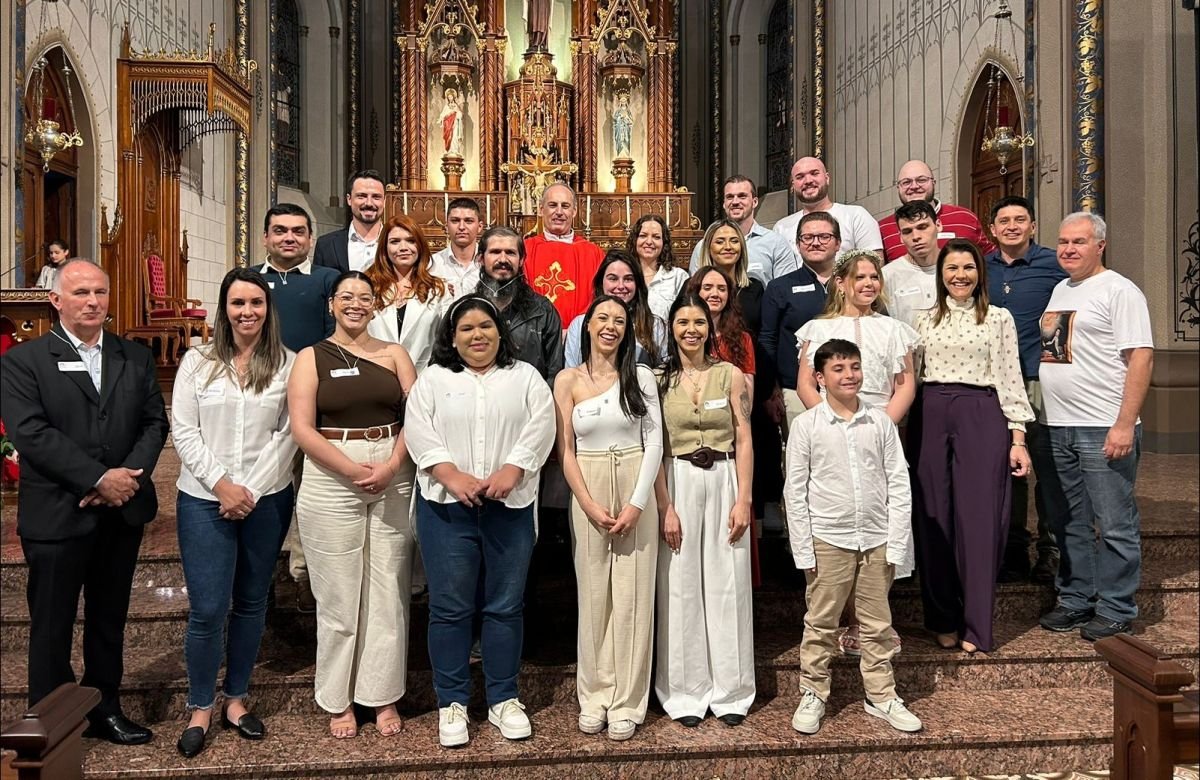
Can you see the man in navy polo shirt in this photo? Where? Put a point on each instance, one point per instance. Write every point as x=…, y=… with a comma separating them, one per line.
x=792, y=300
x=1021, y=276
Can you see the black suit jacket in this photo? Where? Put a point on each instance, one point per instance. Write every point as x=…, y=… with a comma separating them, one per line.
x=331, y=250
x=68, y=435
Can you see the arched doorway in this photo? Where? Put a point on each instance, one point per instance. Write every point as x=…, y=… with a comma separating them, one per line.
x=987, y=184
x=51, y=197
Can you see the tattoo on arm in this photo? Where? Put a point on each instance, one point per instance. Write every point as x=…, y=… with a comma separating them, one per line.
x=744, y=402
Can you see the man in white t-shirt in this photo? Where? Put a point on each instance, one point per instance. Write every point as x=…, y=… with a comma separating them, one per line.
x=458, y=262
x=1097, y=355
x=810, y=184
x=910, y=283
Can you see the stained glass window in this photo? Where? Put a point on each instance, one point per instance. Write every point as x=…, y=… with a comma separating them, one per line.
x=286, y=100
x=780, y=113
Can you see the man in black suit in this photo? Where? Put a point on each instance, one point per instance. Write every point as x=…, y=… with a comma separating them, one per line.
x=84, y=410
x=353, y=248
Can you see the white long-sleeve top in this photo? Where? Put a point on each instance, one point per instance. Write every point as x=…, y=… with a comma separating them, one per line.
x=960, y=350
x=222, y=429
x=847, y=485
x=600, y=425
x=480, y=422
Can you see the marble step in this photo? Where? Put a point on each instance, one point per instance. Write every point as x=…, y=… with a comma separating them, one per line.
x=155, y=687
x=990, y=732
x=158, y=614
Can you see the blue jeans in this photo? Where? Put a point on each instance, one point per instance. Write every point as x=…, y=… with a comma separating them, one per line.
x=224, y=562
x=1103, y=575
x=458, y=544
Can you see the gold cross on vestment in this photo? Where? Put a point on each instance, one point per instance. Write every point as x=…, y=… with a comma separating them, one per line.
x=551, y=283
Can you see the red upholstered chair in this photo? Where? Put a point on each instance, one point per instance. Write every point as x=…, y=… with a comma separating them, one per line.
x=167, y=311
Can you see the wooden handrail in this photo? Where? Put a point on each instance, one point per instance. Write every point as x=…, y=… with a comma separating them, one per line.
x=1154, y=723
x=47, y=737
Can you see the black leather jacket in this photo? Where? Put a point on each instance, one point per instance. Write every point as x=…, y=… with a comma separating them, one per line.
x=536, y=331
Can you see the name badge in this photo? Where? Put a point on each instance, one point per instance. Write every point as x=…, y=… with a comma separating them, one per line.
x=909, y=291
x=946, y=235
x=804, y=288
x=588, y=412
x=71, y=365
x=338, y=373
x=716, y=403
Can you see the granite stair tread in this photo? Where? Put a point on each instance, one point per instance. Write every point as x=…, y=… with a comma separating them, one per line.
x=301, y=746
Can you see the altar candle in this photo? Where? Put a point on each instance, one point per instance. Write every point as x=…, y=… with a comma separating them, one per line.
x=587, y=219
x=488, y=202
x=405, y=207
x=667, y=203
x=628, y=213
x=445, y=206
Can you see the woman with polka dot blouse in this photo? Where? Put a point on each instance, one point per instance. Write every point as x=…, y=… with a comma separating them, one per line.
x=967, y=435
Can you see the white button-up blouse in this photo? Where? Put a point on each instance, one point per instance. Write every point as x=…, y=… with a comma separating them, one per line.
x=480, y=422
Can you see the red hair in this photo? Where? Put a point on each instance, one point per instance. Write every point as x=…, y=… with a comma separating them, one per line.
x=384, y=276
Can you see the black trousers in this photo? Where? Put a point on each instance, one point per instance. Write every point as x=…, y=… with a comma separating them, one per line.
x=100, y=565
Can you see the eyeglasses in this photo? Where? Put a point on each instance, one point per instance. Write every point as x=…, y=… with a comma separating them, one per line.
x=922, y=180
x=346, y=299
x=816, y=238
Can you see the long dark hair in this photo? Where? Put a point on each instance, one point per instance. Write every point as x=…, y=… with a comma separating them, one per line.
x=981, y=288
x=444, y=352
x=633, y=403
x=732, y=325
x=640, y=316
x=664, y=256
x=269, y=353
x=673, y=368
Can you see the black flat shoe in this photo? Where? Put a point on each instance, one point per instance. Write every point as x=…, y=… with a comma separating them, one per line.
x=191, y=741
x=247, y=727
x=732, y=719
x=118, y=730
x=690, y=721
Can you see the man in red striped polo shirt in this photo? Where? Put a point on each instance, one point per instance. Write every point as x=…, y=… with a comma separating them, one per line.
x=915, y=181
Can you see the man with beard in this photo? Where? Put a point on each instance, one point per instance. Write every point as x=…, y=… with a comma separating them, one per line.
x=532, y=320
x=914, y=182
x=354, y=249
x=810, y=184
x=560, y=262
x=767, y=256
x=458, y=263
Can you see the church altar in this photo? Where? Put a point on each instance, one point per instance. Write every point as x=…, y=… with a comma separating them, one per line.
x=499, y=123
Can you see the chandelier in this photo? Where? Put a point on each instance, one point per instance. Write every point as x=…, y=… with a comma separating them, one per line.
x=45, y=135
x=999, y=138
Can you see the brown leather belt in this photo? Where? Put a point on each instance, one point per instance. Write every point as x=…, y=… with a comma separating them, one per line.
x=705, y=457
x=374, y=433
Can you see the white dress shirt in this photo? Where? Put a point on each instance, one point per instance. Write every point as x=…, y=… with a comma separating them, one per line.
x=847, y=485
x=360, y=252
x=664, y=289
x=221, y=429
x=959, y=350
x=463, y=279
x=478, y=423
x=92, y=356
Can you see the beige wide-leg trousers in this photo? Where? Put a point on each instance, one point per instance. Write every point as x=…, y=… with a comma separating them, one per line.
x=616, y=592
x=359, y=550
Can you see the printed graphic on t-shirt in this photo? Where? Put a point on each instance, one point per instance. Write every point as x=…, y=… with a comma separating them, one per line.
x=1056, y=336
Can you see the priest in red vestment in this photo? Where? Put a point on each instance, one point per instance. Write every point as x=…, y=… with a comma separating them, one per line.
x=559, y=263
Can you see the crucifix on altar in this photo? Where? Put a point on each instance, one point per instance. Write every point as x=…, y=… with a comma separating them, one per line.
x=529, y=179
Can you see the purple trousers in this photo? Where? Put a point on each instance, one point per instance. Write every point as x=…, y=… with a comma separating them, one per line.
x=960, y=444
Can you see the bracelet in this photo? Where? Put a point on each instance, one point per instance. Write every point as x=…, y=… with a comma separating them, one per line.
x=1019, y=444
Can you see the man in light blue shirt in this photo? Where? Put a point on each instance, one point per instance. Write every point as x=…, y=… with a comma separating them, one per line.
x=769, y=254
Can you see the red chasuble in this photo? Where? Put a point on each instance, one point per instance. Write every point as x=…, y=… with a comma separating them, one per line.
x=563, y=272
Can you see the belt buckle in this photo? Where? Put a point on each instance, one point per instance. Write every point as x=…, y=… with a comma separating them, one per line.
x=378, y=430
x=703, y=457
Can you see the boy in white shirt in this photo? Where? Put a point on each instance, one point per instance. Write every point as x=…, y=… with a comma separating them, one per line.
x=849, y=509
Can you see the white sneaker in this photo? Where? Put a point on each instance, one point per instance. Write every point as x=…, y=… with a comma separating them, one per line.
x=590, y=724
x=621, y=730
x=807, y=718
x=509, y=716
x=895, y=713
x=452, y=725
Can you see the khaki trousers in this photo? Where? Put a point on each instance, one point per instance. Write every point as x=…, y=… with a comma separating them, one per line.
x=793, y=408
x=616, y=592
x=839, y=573
x=359, y=549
